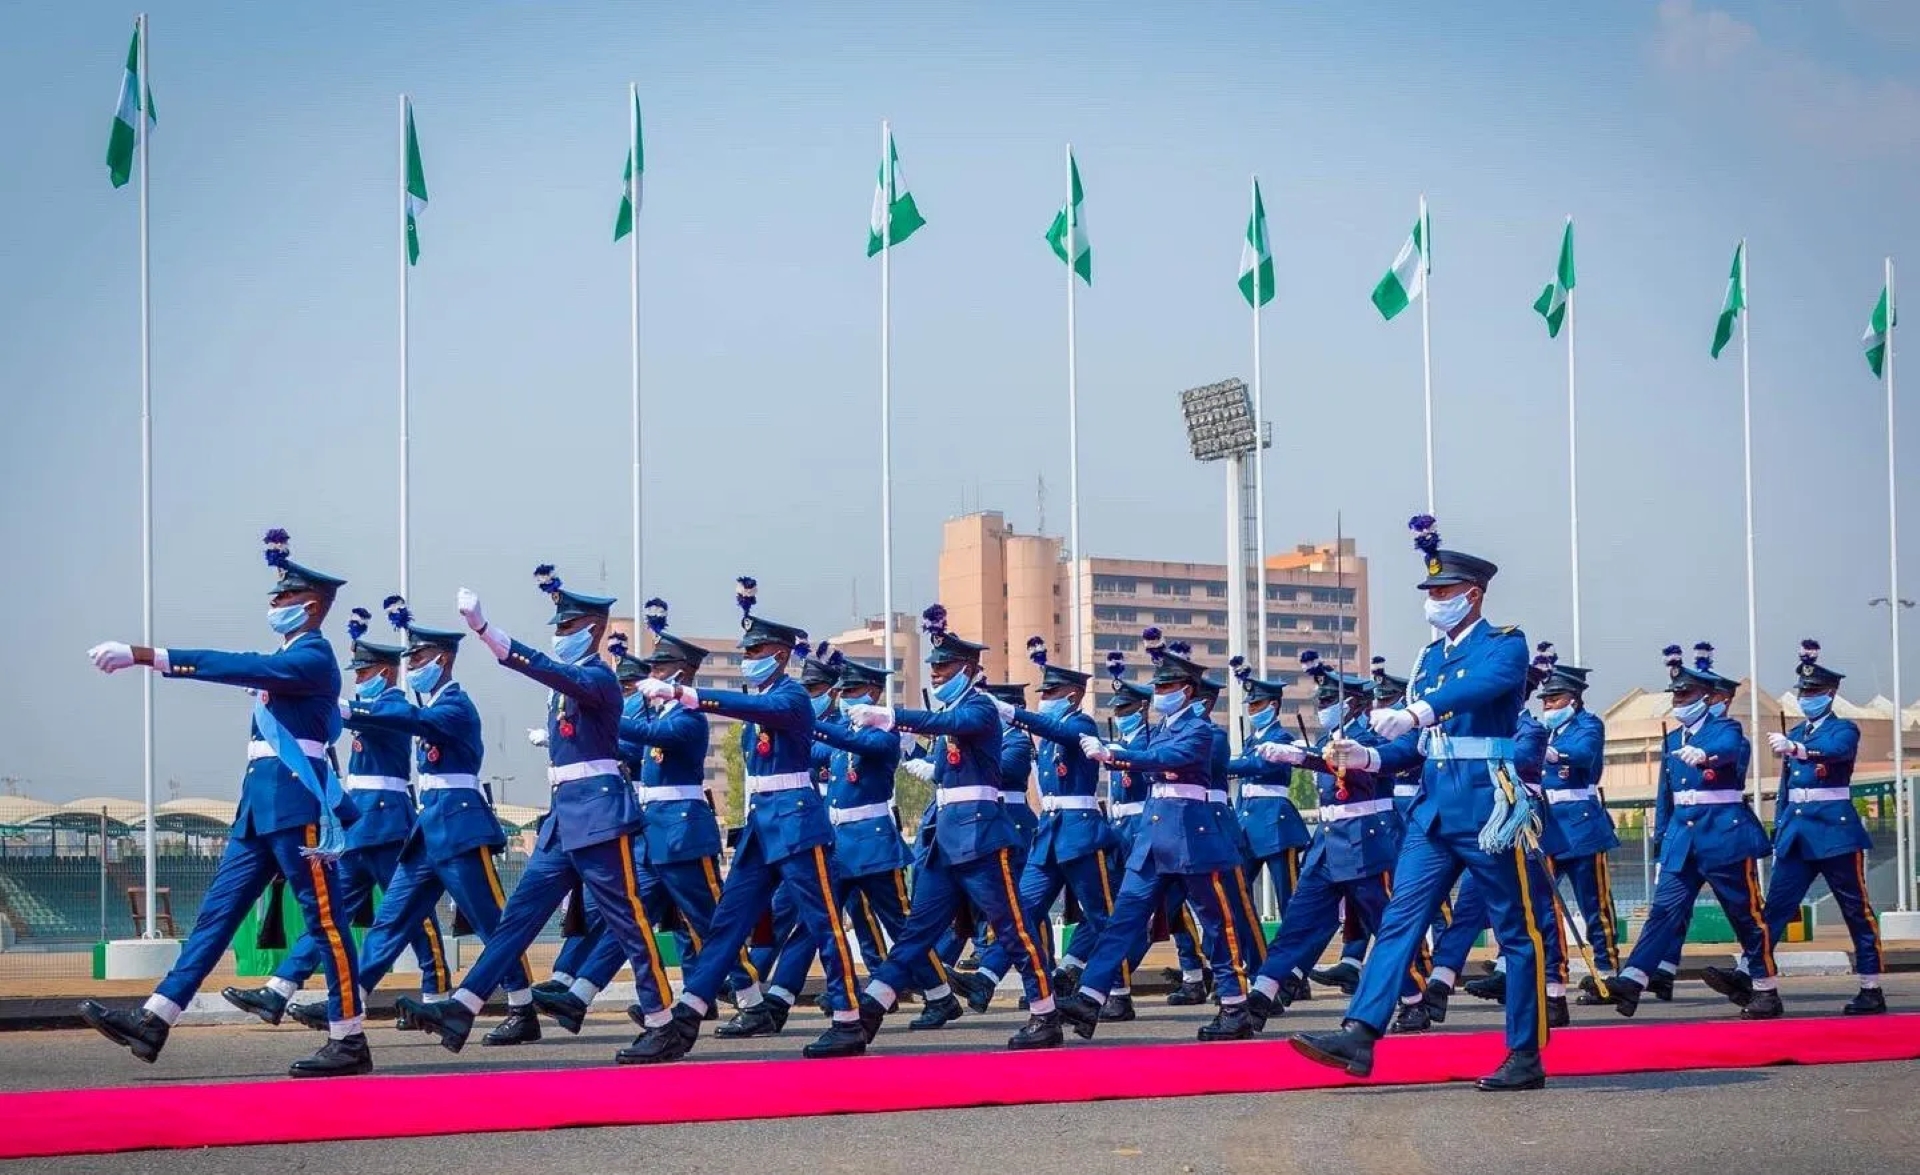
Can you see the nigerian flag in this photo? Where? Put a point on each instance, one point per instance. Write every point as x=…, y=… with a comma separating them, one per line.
x=632, y=180
x=1885, y=317
x=416, y=190
x=1552, y=302
x=895, y=216
x=1067, y=235
x=1256, y=257
x=1736, y=300
x=126, y=135
x=1408, y=277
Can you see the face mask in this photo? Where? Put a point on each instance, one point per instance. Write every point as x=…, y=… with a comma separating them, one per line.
x=1129, y=725
x=1718, y=709
x=1446, y=615
x=1690, y=713
x=1332, y=716
x=1056, y=707
x=1262, y=719
x=847, y=702
x=370, y=689
x=422, y=679
x=950, y=691
x=759, y=671
x=1167, y=705
x=286, y=620
x=573, y=646
x=821, y=705
x=1816, y=707
x=1198, y=709
x=1555, y=719
x=633, y=707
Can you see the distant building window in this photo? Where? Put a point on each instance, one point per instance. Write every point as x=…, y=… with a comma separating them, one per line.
x=1216, y=646
x=1172, y=587
x=1175, y=617
x=1216, y=618
x=1113, y=583
x=1218, y=590
x=1113, y=612
x=1108, y=640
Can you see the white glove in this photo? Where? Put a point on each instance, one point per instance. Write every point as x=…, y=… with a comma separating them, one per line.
x=1785, y=747
x=346, y=709
x=1691, y=756
x=1287, y=753
x=655, y=690
x=537, y=736
x=863, y=715
x=689, y=697
x=921, y=769
x=468, y=606
x=111, y=656
x=1348, y=755
x=1391, y=724
x=906, y=743
x=1006, y=709
x=1101, y=752
x=1553, y=755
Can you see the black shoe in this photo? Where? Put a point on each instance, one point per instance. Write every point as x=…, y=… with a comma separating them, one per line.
x=1351, y=1048
x=1119, y=1009
x=974, y=988
x=1080, y=1012
x=937, y=1014
x=820, y=1004
x=1041, y=1031
x=1300, y=989
x=1520, y=1071
x=1021, y=1003
x=1590, y=996
x=669, y=1042
x=1736, y=985
x=1067, y=978
x=843, y=1038
x=1626, y=995
x=142, y=1032
x=1437, y=995
x=1765, y=1005
x=1412, y=1018
x=1489, y=987
x=1189, y=994
x=264, y=1002
x=970, y=963
x=567, y=1010
x=403, y=1022
x=1260, y=1009
x=1660, y=983
x=766, y=1018
x=871, y=1014
x=448, y=1020
x=1870, y=1002
x=1231, y=1022
x=312, y=1014
x=728, y=996
x=336, y=1058
x=1557, y=1014
x=1343, y=975
x=1171, y=975
x=551, y=987
x=522, y=1026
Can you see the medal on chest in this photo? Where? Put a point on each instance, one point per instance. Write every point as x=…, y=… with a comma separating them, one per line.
x=953, y=755
x=853, y=775
x=433, y=752
x=762, y=743
x=357, y=748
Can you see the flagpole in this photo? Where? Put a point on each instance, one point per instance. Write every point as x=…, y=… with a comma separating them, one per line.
x=1073, y=429
x=1259, y=468
x=1902, y=793
x=142, y=103
x=1746, y=439
x=1426, y=344
x=1573, y=477
x=886, y=407
x=633, y=296
x=405, y=462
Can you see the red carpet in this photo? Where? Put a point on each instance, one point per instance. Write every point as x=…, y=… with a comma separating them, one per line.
x=91, y=1121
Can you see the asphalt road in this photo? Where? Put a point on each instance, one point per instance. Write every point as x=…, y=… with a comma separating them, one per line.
x=1834, y=1119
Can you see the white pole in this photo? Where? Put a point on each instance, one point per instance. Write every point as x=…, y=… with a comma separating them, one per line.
x=886, y=408
x=1259, y=481
x=1746, y=440
x=633, y=350
x=1902, y=795
x=404, y=449
x=1573, y=479
x=1073, y=432
x=1236, y=590
x=1426, y=337
x=141, y=93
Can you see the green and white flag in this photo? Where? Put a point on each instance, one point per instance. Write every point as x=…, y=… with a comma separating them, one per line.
x=1256, y=257
x=126, y=135
x=416, y=191
x=1552, y=302
x=1067, y=235
x=1736, y=300
x=1885, y=317
x=1408, y=277
x=895, y=216
x=633, y=180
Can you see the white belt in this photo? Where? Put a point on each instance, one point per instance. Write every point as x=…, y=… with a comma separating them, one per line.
x=1810, y=795
x=1218, y=795
x=1181, y=791
x=785, y=781
x=1068, y=803
x=374, y=783
x=1123, y=811
x=1405, y=791
x=442, y=782
x=1264, y=791
x=658, y=795
x=1354, y=810
x=863, y=812
x=308, y=747
x=968, y=795
x=1688, y=799
x=1571, y=795
x=578, y=771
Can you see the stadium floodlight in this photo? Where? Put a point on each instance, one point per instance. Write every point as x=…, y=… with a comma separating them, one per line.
x=1220, y=422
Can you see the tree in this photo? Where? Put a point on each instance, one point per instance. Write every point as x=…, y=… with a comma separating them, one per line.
x=911, y=795
x=1305, y=793
x=736, y=763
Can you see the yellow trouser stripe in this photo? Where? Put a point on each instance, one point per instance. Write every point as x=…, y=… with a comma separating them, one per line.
x=833, y=918
x=1042, y=980
x=499, y=900
x=1234, y=958
x=1605, y=886
x=1106, y=894
x=1873, y=920
x=442, y=978
x=336, y=944
x=1539, y=947
x=639, y=911
x=874, y=928
x=713, y=887
x=1756, y=907
x=1253, y=916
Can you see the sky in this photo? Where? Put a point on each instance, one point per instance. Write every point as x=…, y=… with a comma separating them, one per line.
x=1668, y=129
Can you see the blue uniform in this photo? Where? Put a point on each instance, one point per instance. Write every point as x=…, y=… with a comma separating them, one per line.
x=1016, y=766
x=1578, y=832
x=1276, y=835
x=377, y=773
x=277, y=817
x=1817, y=833
x=1131, y=790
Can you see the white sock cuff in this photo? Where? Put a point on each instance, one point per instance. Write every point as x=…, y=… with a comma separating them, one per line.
x=586, y=989
x=693, y=1001
x=283, y=988
x=1556, y=991
x=1668, y=968
x=561, y=977
x=881, y=994
x=846, y=1017
x=1634, y=975
x=521, y=998
x=1192, y=976
x=1444, y=976
x=342, y=1029
x=1092, y=993
x=939, y=991
x=1765, y=984
x=786, y=997
x=1869, y=982
x=747, y=997
x=164, y=1008
x=469, y=1001
x=1041, y=1007
x=1070, y=961
x=658, y=1019
x=1266, y=987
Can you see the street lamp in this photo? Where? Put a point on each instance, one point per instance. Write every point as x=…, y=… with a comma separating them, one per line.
x=1221, y=427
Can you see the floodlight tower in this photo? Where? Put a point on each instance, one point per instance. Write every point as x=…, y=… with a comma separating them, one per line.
x=1221, y=427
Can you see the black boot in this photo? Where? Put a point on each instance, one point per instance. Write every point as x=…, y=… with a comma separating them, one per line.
x=1765, y=1005
x=1351, y=1048
x=1736, y=985
x=1231, y=1023
x=766, y=1018
x=1343, y=975
x=448, y=1020
x=522, y=1026
x=1189, y=994
x=1301, y=988
x=1557, y=1014
x=1067, y=977
x=1660, y=983
x=1590, y=996
x=1119, y=1009
x=1520, y=1071
x=871, y=1015
x=402, y=1022
x=1437, y=995
x=551, y=987
x=843, y=1038
x=264, y=1002
x=1626, y=995
x=1260, y=1009
x=1870, y=1002
x=312, y=1014
x=937, y=1014
x=973, y=987
x=336, y=1058
x=1412, y=1018
x=1489, y=987
x=142, y=1032
x=567, y=1010
x=669, y=1042
x=1041, y=1031
x=1081, y=1012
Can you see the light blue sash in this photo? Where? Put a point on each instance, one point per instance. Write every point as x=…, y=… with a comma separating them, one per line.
x=327, y=793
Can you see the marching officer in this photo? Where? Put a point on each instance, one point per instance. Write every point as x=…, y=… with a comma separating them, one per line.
x=1580, y=834
x=290, y=821
x=1016, y=767
x=1276, y=835
x=1127, y=794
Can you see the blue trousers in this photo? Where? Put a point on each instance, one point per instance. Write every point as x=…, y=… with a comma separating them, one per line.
x=1090, y=878
x=1315, y=915
x=1737, y=887
x=1429, y=864
x=761, y=959
x=692, y=888
x=1470, y=917
x=876, y=907
x=360, y=872
x=1592, y=886
x=1284, y=868
x=1223, y=914
x=416, y=887
x=1846, y=877
x=576, y=949
x=987, y=885
x=248, y=864
x=749, y=892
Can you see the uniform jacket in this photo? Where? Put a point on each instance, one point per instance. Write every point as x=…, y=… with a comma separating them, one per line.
x=1711, y=835
x=583, y=726
x=1180, y=836
x=1069, y=834
x=672, y=746
x=386, y=817
x=1579, y=828
x=448, y=742
x=1476, y=689
x=862, y=765
x=787, y=822
x=1271, y=823
x=1816, y=829
x=966, y=754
